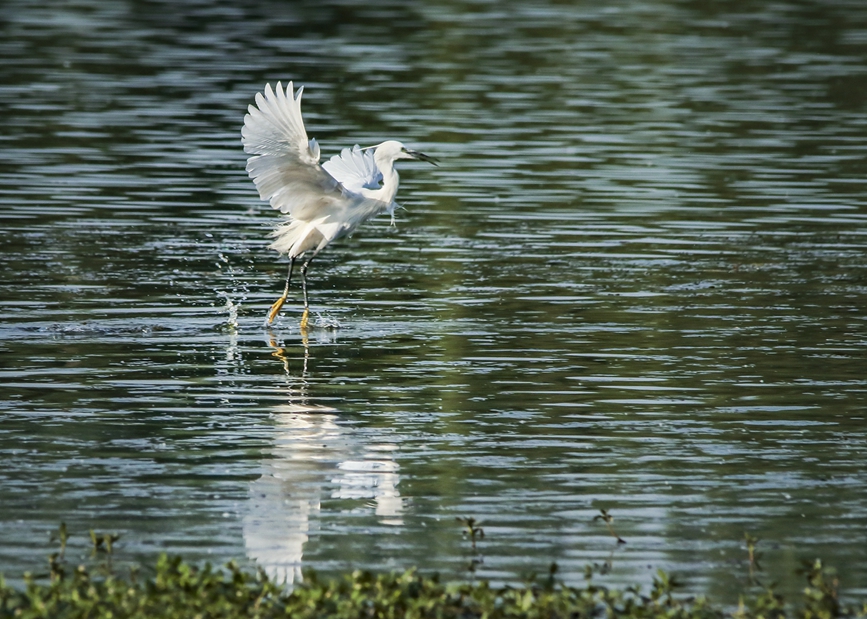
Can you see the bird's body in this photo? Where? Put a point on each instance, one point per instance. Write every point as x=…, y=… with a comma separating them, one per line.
x=321, y=202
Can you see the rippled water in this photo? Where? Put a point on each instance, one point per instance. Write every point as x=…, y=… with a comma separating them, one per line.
x=636, y=283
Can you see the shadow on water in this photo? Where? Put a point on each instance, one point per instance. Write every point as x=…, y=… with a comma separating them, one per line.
x=636, y=283
x=316, y=458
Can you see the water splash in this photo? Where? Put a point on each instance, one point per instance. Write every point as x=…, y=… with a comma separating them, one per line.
x=231, y=308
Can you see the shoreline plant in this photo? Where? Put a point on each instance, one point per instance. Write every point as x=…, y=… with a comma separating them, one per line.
x=175, y=589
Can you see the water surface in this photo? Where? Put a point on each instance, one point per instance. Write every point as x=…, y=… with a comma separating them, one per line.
x=636, y=283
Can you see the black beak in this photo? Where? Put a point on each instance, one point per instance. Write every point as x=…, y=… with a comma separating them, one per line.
x=421, y=157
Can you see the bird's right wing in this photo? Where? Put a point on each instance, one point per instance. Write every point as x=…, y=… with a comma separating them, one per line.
x=355, y=169
x=285, y=164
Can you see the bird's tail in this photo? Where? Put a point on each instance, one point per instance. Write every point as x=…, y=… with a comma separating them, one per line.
x=293, y=237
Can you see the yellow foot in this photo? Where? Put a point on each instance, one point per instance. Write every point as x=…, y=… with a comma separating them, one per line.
x=304, y=317
x=275, y=309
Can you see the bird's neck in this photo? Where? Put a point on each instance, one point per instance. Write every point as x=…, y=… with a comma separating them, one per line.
x=388, y=190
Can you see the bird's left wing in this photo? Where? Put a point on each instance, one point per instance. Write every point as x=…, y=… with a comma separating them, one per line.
x=355, y=169
x=285, y=164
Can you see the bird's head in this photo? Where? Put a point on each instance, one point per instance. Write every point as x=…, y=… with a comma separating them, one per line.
x=392, y=150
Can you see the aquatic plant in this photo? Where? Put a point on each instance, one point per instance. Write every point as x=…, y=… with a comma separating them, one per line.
x=178, y=590
x=608, y=519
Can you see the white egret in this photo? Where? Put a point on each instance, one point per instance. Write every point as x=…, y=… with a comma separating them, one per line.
x=321, y=202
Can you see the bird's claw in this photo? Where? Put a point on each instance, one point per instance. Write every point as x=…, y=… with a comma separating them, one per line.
x=275, y=309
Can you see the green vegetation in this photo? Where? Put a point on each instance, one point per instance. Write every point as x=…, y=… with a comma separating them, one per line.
x=179, y=590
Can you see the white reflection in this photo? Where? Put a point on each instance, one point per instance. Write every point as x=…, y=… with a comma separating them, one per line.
x=314, y=456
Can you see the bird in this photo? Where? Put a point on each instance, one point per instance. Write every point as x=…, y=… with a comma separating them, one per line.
x=320, y=203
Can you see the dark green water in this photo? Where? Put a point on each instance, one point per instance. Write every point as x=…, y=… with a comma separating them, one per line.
x=637, y=282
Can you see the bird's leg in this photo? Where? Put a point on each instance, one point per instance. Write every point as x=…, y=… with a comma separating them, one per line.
x=278, y=304
x=306, y=313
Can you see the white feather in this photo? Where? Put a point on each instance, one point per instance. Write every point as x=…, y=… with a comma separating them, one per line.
x=355, y=169
x=285, y=165
x=322, y=202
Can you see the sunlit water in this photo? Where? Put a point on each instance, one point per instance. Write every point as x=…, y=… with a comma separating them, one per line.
x=636, y=283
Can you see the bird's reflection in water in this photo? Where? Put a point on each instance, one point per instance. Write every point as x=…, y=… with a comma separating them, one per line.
x=315, y=457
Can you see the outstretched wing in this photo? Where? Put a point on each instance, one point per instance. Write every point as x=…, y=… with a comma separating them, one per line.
x=285, y=164
x=355, y=169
